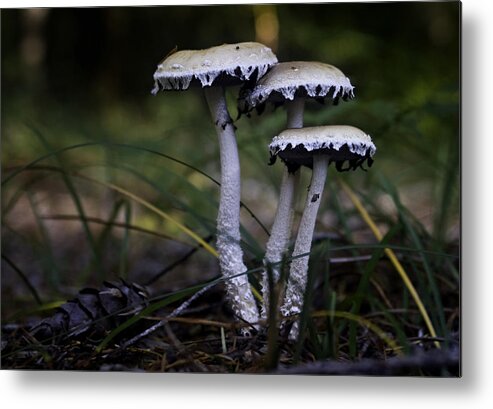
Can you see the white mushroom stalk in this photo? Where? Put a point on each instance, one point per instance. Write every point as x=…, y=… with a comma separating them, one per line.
x=278, y=242
x=315, y=147
x=228, y=217
x=295, y=289
x=291, y=84
x=213, y=69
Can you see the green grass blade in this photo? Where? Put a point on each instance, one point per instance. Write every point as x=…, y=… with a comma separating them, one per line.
x=123, y=270
x=75, y=198
x=363, y=322
x=398, y=266
x=145, y=312
x=156, y=210
x=163, y=302
x=362, y=291
x=48, y=155
x=23, y=278
x=51, y=268
x=105, y=223
x=126, y=146
x=432, y=284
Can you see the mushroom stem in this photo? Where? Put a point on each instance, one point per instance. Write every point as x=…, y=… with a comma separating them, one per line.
x=295, y=290
x=278, y=242
x=295, y=110
x=228, y=218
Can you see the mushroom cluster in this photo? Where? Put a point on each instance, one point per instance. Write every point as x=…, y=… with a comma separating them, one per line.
x=291, y=84
x=265, y=81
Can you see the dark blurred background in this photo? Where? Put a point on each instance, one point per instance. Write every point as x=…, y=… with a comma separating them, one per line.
x=78, y=75
x=92, y=57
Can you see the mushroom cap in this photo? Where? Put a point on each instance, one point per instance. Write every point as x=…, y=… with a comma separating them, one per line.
x=341, y=143
x=308, y=79
x=221, y=64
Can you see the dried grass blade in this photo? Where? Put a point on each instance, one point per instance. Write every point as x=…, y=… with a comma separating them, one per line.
x=156, y=210
x=392, y=257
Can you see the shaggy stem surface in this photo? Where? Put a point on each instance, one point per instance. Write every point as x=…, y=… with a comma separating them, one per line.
x=228, y=219
x=278, y=242
x=296, y=286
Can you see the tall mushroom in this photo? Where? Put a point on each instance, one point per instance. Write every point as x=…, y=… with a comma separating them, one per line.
x=213, y=69
x=316, y=148
x=291, y=83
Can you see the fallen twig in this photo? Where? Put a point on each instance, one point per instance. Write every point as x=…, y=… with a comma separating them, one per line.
x=432, y=361
x=173, y=314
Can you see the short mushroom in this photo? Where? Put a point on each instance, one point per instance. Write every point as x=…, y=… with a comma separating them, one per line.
x=213, y=69
x=315, y=147
x=291, y=83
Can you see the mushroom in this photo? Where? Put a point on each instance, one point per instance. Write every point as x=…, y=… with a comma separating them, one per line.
x=291, y=83
x=316, y=148
x=213, y=69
